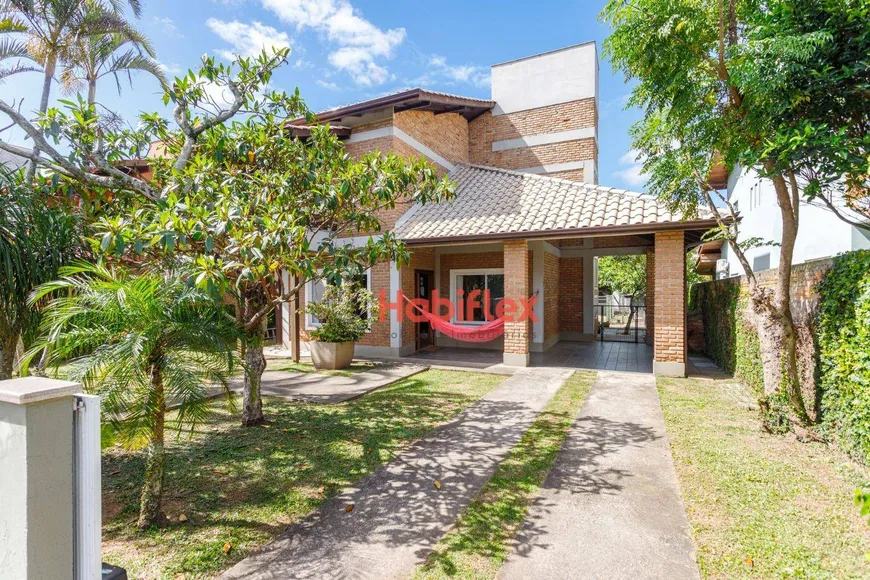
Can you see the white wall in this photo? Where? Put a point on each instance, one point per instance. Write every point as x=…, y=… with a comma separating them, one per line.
x=821, y=234
x=561, y=76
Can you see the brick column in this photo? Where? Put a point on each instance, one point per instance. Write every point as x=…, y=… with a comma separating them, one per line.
x=517, y=328
x=670, y=305
x=650, y=294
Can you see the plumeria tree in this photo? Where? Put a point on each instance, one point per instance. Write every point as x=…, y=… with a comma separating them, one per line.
x=235, y=195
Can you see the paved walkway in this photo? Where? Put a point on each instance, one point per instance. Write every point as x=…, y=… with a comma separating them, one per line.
x=398, y=514
x=610, y=507
x=329, y=389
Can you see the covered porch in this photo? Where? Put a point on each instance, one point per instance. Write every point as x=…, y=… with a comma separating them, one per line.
x=612, y=356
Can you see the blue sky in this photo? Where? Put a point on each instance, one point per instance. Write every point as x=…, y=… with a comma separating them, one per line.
x=350, y=50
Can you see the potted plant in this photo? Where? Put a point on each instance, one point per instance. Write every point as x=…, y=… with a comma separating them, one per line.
x=345, y=313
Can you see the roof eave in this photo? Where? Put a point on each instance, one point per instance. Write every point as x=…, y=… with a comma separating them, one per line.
x=631, y=229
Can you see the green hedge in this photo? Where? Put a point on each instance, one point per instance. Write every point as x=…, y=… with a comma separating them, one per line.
x=840, y=329
x=727, y=339
x=843, y=335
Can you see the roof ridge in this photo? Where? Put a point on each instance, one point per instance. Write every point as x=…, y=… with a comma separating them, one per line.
x=603, y=188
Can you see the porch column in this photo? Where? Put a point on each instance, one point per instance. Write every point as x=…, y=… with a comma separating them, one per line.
x=650, y=302
x=669, y=319
x=517, y=286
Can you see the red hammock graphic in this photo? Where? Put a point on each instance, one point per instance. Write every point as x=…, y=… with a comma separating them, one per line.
x=465, y=333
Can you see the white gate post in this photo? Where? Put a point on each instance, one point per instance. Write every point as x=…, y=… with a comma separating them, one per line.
x=88, y=513
x=36, y=478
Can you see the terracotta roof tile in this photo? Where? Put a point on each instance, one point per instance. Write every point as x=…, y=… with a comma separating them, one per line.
x=493, y=201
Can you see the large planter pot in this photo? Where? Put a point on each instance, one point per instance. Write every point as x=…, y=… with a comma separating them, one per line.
x=331, y=355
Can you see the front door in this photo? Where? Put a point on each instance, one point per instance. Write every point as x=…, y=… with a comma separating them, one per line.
x=425, y=282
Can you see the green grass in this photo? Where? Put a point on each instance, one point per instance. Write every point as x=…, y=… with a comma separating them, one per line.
x=245, y=486
x=480, y=541
x=760, y=505
x=305, y=367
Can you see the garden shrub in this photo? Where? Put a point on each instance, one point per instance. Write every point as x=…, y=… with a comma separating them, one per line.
x=843, y=337
x=718, y=303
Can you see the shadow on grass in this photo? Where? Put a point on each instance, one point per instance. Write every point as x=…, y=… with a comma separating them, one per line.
x=244, y=486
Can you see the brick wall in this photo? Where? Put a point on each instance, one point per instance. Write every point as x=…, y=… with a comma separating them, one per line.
x=571, y=295
x=650, y=292
x=621, y=241
x=445, y=134
x=670, y=298
x=516, y=285
x=489, y=128
x=552, y=290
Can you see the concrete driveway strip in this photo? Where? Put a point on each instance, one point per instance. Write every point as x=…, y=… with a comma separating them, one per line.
x=398, y=513
x=611, y=506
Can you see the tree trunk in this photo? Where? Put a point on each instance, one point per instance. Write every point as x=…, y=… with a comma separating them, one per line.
x=255, y=364
x=772, y=319
x=8, y=346
x=92, y=91
x=50, y=65
x=627, y=328
x=150, y=503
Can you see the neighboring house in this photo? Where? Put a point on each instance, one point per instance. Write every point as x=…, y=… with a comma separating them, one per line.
x=11, y=161
x=821, y=234
x=529, y=215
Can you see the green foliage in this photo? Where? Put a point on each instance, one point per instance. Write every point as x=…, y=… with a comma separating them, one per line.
x=717, y=303
x=339, y=313
x=39, y=233
x=728, y=339
x=624, y=274
x=118, y=331
x=843, y=335
x=862, y=500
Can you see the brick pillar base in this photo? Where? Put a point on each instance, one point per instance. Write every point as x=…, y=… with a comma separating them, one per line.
x=517, y=328
x=669, y=317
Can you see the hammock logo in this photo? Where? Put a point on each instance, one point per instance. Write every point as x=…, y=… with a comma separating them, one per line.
x=475, y=318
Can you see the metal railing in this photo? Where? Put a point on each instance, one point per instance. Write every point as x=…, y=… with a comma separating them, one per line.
x=618, y=323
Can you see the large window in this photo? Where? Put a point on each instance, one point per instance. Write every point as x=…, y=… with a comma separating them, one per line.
x=314, y=293
x=468, y=281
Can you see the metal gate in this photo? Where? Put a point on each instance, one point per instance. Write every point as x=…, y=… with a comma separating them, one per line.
x=618, y=323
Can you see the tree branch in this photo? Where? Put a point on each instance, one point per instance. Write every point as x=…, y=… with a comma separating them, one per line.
x=61, y=164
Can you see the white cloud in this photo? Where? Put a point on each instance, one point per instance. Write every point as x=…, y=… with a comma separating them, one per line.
x=247, y=39
x=468, y=73
x=169, y=26
x=633, y=175
x=360, y=44
x=171, y=69
x=328, y=85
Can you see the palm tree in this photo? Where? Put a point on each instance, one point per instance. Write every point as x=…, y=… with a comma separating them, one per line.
x=94, y=57
x=143, y=342
x=38, y=235
x=51, y=27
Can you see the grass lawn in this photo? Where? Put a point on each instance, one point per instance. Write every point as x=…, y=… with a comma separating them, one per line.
x=761, y=506
x=307, y=367
x=479, y=543
x=238, y=488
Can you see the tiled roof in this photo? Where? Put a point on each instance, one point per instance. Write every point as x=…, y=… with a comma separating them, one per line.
x=496, y=202
x=402, y=91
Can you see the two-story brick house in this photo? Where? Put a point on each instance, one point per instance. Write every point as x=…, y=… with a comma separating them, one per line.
x=529, y=216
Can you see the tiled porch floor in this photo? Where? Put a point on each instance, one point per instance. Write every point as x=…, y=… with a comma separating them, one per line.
x=615, y=356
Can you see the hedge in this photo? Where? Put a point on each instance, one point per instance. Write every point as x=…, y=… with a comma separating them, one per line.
x=728, y=340
x=843, y=335
x=839, y=330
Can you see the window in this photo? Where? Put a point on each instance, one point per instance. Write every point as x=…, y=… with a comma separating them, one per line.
x=761, y=262
x=314, y=293
x=468, y=281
